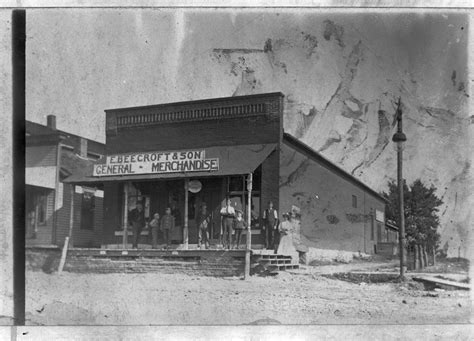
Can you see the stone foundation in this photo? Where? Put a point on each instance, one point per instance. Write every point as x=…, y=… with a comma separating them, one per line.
x=322, y=255
x=192, y=262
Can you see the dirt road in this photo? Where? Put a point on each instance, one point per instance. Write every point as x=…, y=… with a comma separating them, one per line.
x=163, y=299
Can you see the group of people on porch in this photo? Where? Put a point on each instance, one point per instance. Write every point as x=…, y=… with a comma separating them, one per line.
x=276, y=232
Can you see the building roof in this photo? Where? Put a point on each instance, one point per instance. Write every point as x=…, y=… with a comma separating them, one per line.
x=33, y=129
x=74, y=165
x=39, y=132
x=249, y=156
x=200, y=101
x=297, y=144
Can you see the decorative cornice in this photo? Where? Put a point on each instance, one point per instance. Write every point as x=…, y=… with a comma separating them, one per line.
x=174, y=116
x=190, y=111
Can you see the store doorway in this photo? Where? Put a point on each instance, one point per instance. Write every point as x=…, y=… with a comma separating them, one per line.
x=210, y=193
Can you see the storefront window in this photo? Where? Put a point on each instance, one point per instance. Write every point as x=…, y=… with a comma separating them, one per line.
x=238, y=194
x=236, y=183
x=42, y=204
x=176, y=201
x=254, y=210
x=135, y=196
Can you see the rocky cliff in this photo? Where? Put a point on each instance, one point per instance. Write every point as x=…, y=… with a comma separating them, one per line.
x=341, y=93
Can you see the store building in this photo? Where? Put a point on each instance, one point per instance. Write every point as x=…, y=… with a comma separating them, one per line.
x=184, y=154
x=51, y=155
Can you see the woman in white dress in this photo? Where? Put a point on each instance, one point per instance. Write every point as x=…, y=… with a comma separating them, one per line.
x=286, y=241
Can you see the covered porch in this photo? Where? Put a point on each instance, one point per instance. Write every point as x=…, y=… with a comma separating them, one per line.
x=184, y=193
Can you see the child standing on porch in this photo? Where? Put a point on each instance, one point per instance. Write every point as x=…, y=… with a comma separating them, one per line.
x=239, y=226
x=154, y=225
x=167, y=225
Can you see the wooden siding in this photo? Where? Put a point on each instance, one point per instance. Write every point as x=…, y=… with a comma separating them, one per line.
x=80, y=237
x=45, y=231
x=269, y=189
x=191, y=135
x=113, y=197
x=139, y=129
x=328, y=219
x=41, y=156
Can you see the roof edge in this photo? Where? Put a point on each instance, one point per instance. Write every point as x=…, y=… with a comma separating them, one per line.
x=199, y=101
x=318, y=157
x=58, y=132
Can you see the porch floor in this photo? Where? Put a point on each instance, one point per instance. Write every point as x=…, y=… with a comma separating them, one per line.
x=174, y=251
x=158, y=253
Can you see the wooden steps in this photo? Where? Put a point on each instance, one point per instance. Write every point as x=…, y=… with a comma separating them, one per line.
x=270, y=264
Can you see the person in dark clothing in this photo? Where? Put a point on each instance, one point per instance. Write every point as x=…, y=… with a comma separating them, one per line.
x=270, y=223
x=203, y=223
x=136, y=218
x=239, y=226
x=167, y=225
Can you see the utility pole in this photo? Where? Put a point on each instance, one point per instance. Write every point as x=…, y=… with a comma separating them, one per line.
x=186, y=212
x=399, y=138
x=249, y=231
x=125, y=215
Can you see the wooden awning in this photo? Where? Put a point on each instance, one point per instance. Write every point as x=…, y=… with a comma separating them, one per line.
x=233, y=160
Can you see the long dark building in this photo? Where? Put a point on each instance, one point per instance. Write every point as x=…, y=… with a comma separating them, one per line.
x=184, y=154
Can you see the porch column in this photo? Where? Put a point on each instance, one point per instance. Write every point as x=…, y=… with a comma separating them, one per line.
x=68, y=240
x=249, y=230
x=185, y=222
x=125, y=216
x=71, y=214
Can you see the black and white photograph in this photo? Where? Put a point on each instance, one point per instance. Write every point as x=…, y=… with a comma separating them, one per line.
x=242, y=166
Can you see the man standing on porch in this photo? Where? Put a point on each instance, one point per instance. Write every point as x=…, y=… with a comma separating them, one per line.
x=227, y=221
x=270, y=223
x=136, y=218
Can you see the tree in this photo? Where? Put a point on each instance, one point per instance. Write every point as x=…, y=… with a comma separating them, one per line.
x=421, y=207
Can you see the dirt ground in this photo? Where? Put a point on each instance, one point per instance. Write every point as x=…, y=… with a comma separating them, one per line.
x=303, y=297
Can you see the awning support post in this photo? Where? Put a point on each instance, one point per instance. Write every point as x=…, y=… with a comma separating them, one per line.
x=35, y=228
x=249, y=231
x=68, y=239
x=125, y=216
x=185, y=227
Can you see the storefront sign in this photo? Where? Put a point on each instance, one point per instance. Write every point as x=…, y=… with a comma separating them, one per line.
x=380, y=216
x=194, y=186
x=157, y=163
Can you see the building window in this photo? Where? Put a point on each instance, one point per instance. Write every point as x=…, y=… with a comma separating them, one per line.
x=354, y=201
x=87, y=210
x=42, y=207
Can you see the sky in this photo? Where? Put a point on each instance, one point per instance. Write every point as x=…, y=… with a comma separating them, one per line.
x=83, y=61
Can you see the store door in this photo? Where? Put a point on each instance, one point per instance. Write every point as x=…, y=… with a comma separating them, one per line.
x=211, y=194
